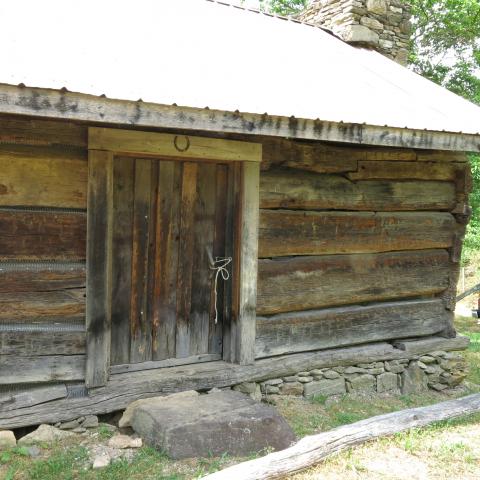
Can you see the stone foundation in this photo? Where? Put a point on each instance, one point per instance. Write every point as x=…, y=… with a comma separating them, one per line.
x=437, y=371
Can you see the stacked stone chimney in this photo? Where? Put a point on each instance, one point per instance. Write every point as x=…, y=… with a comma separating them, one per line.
x=380, y=24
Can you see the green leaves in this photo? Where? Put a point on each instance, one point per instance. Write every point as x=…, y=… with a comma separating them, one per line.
x=283, y=7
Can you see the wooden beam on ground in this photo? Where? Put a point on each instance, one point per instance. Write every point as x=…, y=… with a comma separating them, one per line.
x=58, y=104
x=124, y=388
x=312, y=449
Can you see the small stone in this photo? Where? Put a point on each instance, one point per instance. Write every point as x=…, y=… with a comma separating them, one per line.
x=303, y=374
x=362, y=383
x=453, y=364
x=339, y=369
x=432, y=369
x=102, y=460
x=371, y=23
x=214, y=390
x=421, y=365
x=394, y=366
x=331, y=374
x=439, y=353
x=33, y=451
x=396, y=9
x=387, y=382
x=246, y=387
x=357, y=34
x=91, y=421
x=269, y=389
x=377, y=6
x=414, y=379
x=69, y=425
x=45, y=433
x=79, y=430
x=273, y=381
x=438, y=386
x=124, y=441
x=325, y=387
x=305, y=379
x=375, y=371
x=427, y=359
x=352, y=370
x=7, y=439
x=292, y=378
x=292, y=388
x=317, y=372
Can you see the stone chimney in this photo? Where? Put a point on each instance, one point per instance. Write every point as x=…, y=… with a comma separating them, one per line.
x=380, y=24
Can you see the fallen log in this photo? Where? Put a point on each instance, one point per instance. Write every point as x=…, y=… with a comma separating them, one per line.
x=312, y=449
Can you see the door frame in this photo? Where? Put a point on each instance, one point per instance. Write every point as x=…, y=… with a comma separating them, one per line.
x=106, y=143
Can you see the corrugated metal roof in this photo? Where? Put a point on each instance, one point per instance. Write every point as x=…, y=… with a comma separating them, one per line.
x=198, y=53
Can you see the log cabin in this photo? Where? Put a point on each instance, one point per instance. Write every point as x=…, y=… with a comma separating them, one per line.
x=159, y=231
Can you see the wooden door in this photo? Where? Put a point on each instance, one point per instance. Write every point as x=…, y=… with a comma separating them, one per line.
x=169, y=221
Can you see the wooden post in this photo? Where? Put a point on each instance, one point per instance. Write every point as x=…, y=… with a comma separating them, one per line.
x=99, y=266
x=248, y=224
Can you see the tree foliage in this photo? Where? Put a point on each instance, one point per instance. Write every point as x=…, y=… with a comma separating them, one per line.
x=283, y=7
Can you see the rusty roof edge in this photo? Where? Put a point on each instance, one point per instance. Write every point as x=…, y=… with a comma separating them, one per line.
x=65, y=105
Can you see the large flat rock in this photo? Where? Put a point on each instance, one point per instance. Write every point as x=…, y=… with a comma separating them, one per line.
x=221, y=422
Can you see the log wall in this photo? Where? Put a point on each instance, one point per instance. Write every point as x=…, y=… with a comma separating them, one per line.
x=43, y=192
x=357, y=244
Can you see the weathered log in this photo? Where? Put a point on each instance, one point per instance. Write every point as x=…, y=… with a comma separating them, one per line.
x=42, y=235
x=303, y=283
x=287, y=188
x=335, y=327
x=46, y=307
x=394, y=170
x=31, y=395
x=290, y=232
x=41, y=276
x=417, y=346
x=31, y=340
x=124, y=388
x=43, y=176
x=312, y=449
x=34, y=132
x=34, y=369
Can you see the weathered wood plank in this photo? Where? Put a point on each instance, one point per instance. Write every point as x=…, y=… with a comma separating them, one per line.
x=418, y=346
x=314, y=157
x=36, y=341
x=180, y=146
x=35, y=369
x=125, y=388
x=215, y=330
x=166, y=260
x=43, y=307
x=99, y=266
x=42, y=177
x=122, y=233
x=34, y=132
x=31, y=396
x=303, y=283
x=311, y=450
x=202, y=275
x=42, y=235
x=248, y=247
x=57, y=104
x=185, y=258
x=40, y=276
x=140, y=321
x=289, y=232
x=335, y=327
x=398, y=170
x=441, y=155
x=167, y=363
x=287, y=188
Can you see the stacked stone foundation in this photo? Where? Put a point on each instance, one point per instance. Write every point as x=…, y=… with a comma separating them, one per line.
x=434, y=371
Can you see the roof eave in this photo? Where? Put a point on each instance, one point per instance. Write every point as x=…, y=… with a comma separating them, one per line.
x=64, y=105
